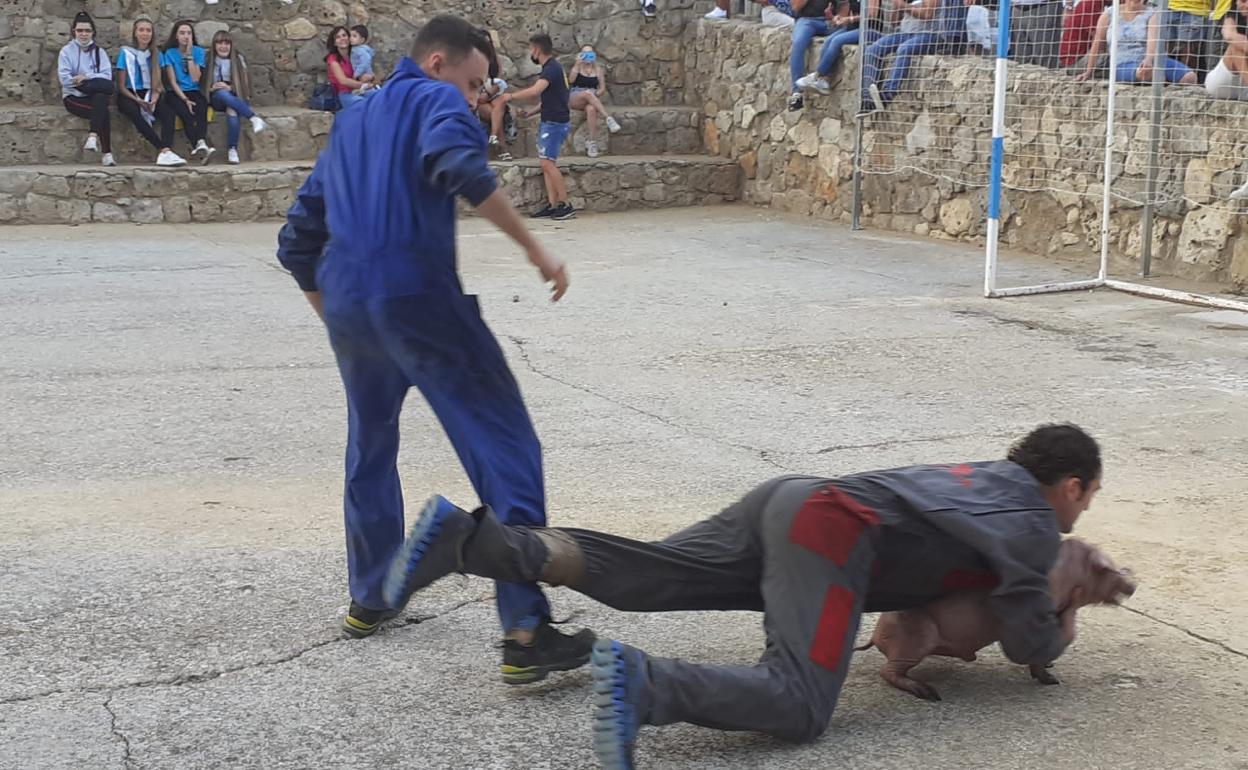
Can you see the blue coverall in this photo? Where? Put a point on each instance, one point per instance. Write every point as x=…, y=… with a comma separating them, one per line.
x=373, y=229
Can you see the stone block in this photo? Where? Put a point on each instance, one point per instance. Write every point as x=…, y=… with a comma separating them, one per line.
x=204, y=30
x=147, y=211
x=159, y=182
x=108, y=212
x=1204, y=237
x=17, y=181
x=956, y=216
x=300, y=29
x=177, y=209
x=10, y=207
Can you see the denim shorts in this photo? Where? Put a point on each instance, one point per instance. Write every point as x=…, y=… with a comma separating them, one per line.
x=1184, y=27
x=550, y=138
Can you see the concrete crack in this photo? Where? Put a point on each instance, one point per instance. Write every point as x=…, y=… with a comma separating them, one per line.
x=762, y=454
x=180, y=680
x=904, y=441
x=1207, y=640
x=127, y=761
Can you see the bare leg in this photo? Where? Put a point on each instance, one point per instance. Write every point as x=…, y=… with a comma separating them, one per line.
x=548, y=166
x=497, y=110
x=556, y=181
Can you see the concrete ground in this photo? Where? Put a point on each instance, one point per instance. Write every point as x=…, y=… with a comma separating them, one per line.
x=171, y=547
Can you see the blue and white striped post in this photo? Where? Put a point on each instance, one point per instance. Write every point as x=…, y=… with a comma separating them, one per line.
x=998, y=147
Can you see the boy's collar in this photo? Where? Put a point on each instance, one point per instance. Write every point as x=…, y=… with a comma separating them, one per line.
x=410, y=68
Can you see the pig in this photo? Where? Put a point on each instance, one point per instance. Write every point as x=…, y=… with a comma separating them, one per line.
x=962, y=623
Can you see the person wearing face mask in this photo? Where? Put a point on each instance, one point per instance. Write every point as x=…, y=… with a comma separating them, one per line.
x=86, y=76
x=551, y=89
x=589, y=86
x=139, y=92
x=371, y=240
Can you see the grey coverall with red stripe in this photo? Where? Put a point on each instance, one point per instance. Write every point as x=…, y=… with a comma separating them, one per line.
x=814, y=554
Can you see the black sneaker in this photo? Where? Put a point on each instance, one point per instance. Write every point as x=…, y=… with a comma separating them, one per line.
x=360, y=622
x=649, y=9
x=551, y=651
x=563, y=211
x=796, y=102
x=545, y=212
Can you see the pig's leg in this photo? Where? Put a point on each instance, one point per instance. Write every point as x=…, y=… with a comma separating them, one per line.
x=906, y=638
x=895, y=672
x=1041, y=674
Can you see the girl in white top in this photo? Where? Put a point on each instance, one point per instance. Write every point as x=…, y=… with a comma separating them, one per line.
x=86, y=77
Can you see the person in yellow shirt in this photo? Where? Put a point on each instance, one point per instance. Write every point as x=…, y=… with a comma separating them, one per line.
x=1190, y=30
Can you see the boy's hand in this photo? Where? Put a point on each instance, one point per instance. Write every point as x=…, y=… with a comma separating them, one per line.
x=552, y=270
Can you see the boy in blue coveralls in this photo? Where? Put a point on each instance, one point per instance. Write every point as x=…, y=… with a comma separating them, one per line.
x=813, y=554
x=371, y=240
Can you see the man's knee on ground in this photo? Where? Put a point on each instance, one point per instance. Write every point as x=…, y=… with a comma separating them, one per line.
x=810, y=721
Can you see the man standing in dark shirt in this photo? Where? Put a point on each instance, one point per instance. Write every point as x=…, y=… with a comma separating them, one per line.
x=812, y=554
x=552, y=89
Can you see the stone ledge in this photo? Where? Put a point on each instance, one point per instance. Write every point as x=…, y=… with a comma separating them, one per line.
x=48, y=134
x=672, y=129
x=59, y=194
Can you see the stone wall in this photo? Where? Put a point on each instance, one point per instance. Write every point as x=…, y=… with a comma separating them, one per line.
x=284, y=40
x=803, y=161
x=72, y=195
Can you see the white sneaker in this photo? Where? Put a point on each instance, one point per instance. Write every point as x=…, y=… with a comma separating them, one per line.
x=257, y=124
x=170, y=158
x=815, y=82
x=649, y=9
x=493, y=140
x=1241, y=193
x=591, y=149
x=232, y=156
x=613, y=125
x=201, y=146
x=208, y=151
x=92, y=144
x=108, y=160
x=716, y=13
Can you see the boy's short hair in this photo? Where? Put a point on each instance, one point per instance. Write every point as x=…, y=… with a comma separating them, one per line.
x=360, y=30
x=543, y=43
x=453, y=36
x=1058, y=451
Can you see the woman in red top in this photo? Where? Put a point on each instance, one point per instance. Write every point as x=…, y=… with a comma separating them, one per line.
x=341, y=75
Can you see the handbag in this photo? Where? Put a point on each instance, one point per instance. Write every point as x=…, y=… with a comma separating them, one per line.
x=324, y=98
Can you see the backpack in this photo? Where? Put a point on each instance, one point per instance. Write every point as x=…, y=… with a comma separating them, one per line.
x=324, y=98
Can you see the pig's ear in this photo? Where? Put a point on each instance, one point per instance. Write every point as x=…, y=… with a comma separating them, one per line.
x=1101, y=562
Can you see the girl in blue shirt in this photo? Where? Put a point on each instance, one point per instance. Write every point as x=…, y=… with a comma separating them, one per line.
x=183, y=61
x=139, y=92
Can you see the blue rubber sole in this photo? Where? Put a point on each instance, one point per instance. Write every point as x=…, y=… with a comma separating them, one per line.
x=400, y=579
x=614, y=723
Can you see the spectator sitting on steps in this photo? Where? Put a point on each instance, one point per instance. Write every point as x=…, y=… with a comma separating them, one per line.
x=86, y=79
x=1139, y=34
x=812, y=22
x=1229, y=79
x=848, y=35
x=139, y=92
x=776, y=13
x=928, y=27
x=228, y=87
x=589, y=86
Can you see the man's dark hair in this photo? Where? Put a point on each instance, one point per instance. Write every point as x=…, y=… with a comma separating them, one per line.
x=360, y=30
x=1058, y=451
x=453, y=36
x=543, y=43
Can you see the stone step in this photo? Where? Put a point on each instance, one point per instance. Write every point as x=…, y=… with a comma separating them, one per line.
x=65, y=194
x=48, y=134
x=643, y=131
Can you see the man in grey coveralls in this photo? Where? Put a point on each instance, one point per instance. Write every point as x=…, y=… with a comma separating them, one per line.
x=812, y=554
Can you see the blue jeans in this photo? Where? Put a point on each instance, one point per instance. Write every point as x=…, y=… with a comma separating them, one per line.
x=348, y=99
x=1175, y=70
x=438, y=343
x=226, y=100
x=907, y=46
x=804, y=32
x=831, y=52
x=550, y=138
